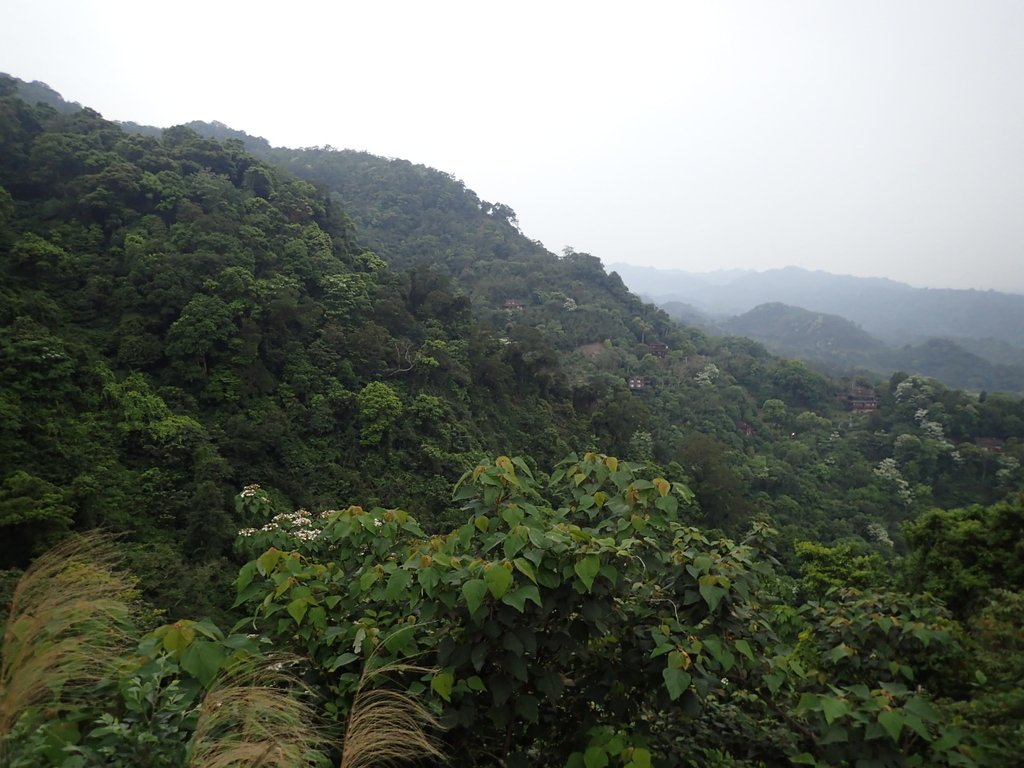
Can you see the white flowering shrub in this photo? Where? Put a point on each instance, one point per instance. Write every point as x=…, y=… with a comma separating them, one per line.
x=706, y=377
x=888, y=470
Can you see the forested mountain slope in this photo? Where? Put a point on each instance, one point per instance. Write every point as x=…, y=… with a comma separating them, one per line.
x=200, y=352
x=181, y=319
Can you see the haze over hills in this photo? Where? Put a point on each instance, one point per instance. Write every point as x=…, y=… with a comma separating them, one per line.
x=894, y=312
x=838, y=346
x=965, y=338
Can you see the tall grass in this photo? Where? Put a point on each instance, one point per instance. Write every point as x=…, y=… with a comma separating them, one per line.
x=256, y=715
x=64, y=633
x=65, y=637
x=387, y=727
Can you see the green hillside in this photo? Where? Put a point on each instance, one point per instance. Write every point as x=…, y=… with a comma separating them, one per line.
x=335, y=406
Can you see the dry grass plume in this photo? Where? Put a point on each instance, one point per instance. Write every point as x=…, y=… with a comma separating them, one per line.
x=257, y=715
x=388, y=727
x=64, y=632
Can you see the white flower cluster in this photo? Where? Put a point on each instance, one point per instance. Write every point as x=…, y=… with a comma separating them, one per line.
x=250, y=490
x=877, y=532
x=913, y=389
x=887, y=469
x=1009, y=467
x=301, y=524
x=932, y=430
x=707, y=376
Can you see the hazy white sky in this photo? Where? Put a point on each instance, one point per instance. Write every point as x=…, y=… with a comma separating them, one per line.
x=876, y=137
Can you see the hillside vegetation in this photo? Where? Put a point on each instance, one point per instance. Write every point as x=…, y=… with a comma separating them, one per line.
x=361, y=442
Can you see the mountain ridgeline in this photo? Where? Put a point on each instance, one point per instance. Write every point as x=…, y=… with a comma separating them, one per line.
x=343, y=405
x=965, y=338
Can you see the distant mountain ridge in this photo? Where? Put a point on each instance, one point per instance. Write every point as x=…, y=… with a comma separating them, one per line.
x=839, y=346
x=891, y=311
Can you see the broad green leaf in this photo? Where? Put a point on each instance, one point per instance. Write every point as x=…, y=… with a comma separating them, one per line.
x=892, y=721
x=474, y=591
x=512, y=515
x=428, y=579
x=265, y=563
x=341, y=660
x=662, y=649
x=923, y=708
x=711, y=593
x=442, y=685
x=245, y=576
x=809, y=702
x=368, y=579
x=678, y=660
x=702, y=563
x=641, y=758
x=498, y=579
x=833, y=708
x=667, y=504
x=914, y=723
x=513, y=543
x=595, y=757
x=744, y=647
x=482, y=522
x=676, y=681
x=841, y=651
x=178, y=638
x=297, y=608
x=397, y=585
x=951, y=738
x=398, y=641
x=523, y=467
x=525, y=567
x=202, y=660
x=774, y=681
x=550, y=684
x=587, y=569
x=517, y=598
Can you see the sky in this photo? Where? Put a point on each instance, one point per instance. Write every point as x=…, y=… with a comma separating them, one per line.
x=874, y=138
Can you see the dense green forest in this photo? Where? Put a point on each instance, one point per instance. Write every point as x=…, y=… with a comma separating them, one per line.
x=336, y=406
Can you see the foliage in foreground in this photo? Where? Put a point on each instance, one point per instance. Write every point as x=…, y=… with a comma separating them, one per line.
x=587, y=601
x=73, y=693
